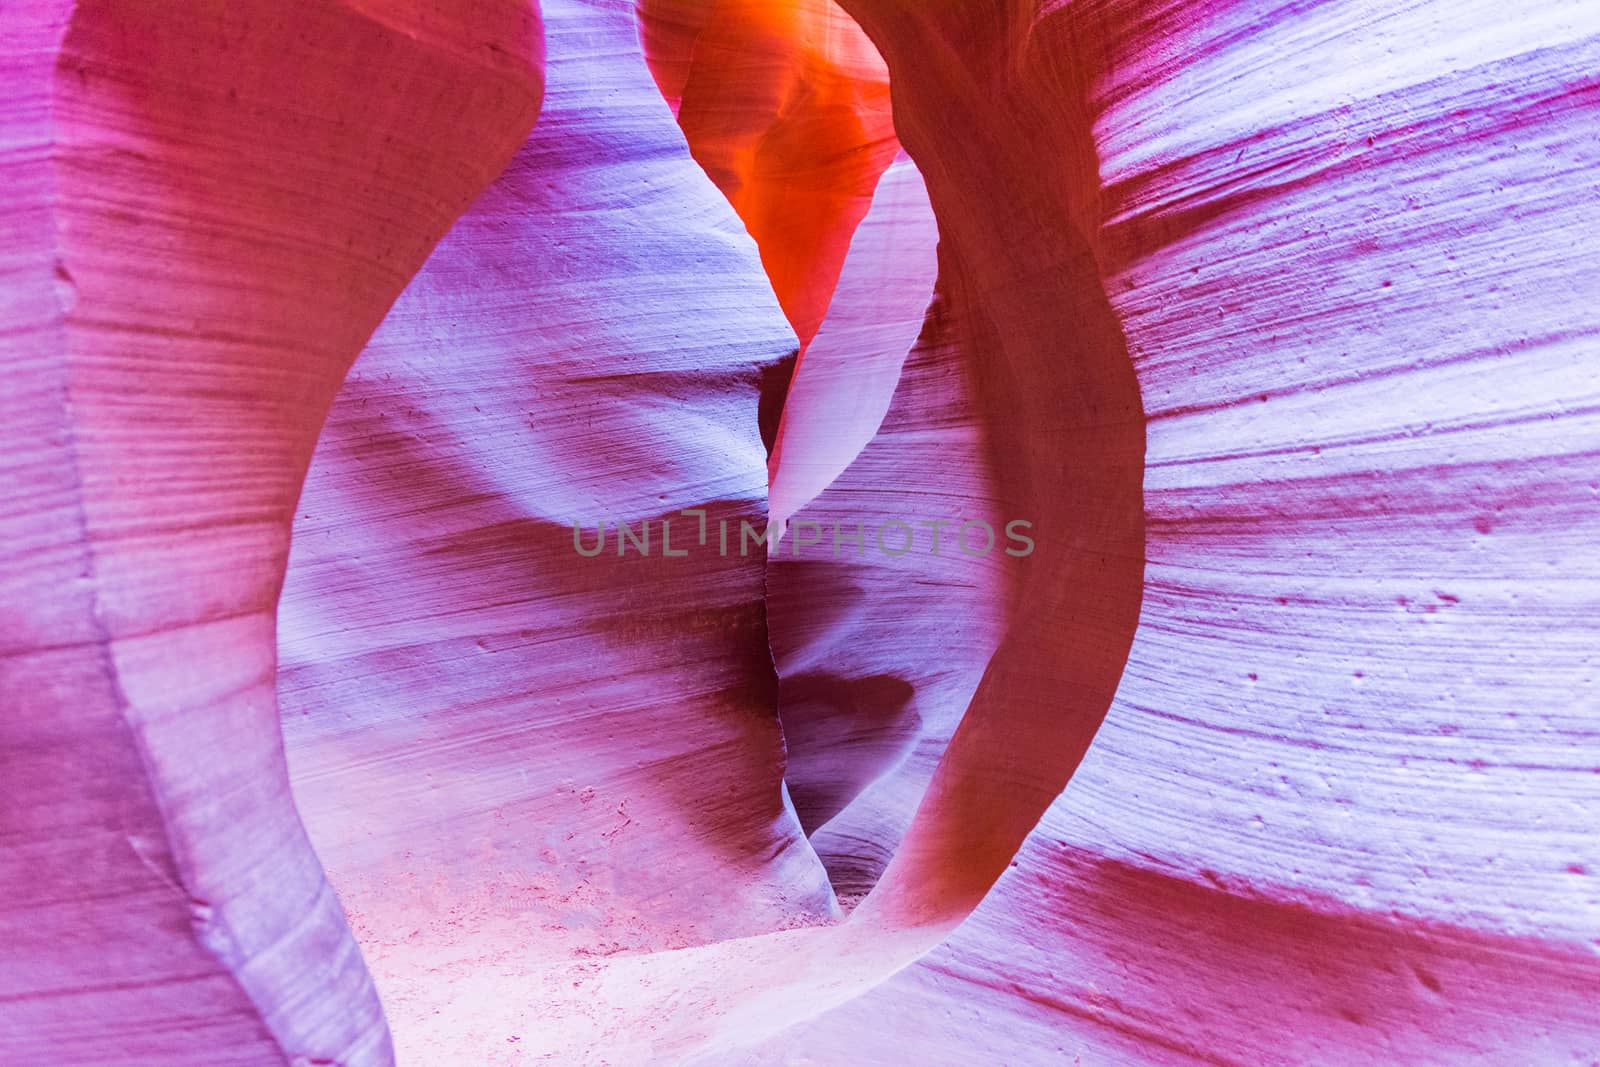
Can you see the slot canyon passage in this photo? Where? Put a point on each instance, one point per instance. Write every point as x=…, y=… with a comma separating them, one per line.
x=1178, y=428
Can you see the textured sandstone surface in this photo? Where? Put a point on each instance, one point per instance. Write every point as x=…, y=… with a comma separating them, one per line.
x=1275, y=322
x=1343, y=809
x=192, y=258
x=511, y=757
x=186, y=291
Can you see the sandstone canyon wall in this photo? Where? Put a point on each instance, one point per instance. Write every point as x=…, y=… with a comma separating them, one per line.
x=1272, y=323
x=194, y=253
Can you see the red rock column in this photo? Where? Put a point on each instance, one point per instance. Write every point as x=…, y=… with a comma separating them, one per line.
x=1064, y=428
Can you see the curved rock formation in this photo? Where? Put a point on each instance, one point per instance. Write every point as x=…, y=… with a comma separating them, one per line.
x=211, y=213
x=519, y=746
x=1342, y=809
x=421, y=778
x=842, y=390
x=882, y=624
x=1268, y=327
x=1047, y=362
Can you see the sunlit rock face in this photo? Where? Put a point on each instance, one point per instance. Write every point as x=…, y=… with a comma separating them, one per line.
x=1263, y=337
x=786, y=106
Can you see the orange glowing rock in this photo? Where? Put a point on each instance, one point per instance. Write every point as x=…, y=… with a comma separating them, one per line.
x=786, y=106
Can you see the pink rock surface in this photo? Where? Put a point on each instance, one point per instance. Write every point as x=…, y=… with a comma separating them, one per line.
x=192, y=255
x=1046, y=364
x=1342, y=810
x=1275, y=324
x=512, y=758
